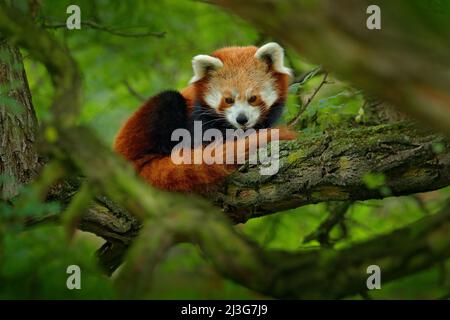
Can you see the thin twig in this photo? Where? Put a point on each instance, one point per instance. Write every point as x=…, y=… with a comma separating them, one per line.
x=308, y=75
x=293, y=122
x=114, y=31
x=336, y=216
x=133, y=92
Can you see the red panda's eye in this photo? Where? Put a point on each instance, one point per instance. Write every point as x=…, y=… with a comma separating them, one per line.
x=252, y=99
x=229, y=100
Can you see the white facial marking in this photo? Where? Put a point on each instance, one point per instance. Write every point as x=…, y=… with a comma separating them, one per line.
x=213, y=98
x=202, y=63
x=268, y=94
x=276, y=53
x=248, y=93
x=252, y=113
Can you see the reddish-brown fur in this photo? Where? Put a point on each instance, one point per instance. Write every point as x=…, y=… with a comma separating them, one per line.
x=135, y=136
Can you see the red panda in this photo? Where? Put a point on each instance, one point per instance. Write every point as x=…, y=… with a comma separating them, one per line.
x=235, y=87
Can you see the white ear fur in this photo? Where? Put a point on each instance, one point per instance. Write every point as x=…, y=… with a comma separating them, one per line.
x=202, y=64
x=276, y=54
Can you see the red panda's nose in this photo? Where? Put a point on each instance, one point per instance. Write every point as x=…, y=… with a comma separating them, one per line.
x=242, y=119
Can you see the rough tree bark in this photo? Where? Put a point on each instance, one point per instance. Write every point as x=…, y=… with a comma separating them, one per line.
x=179, y=218
x=327, y=167
x=19, y=160
x=332, y=166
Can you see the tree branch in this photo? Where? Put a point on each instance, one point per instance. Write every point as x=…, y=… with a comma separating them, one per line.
x=141, y=98
x=328, y=167
x=332, y=166
x=337, y=211
x=114, y=31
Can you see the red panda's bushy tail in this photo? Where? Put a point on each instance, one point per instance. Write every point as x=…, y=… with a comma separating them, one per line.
x=161, y=172
x=144, y=140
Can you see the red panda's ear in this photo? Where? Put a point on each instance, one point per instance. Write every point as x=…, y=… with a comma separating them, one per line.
x=273, y=54
x=202, y=64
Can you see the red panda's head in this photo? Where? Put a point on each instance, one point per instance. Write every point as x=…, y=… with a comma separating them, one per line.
x=245, y=86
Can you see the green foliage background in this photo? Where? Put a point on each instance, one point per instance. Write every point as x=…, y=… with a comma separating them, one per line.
x=34, y=261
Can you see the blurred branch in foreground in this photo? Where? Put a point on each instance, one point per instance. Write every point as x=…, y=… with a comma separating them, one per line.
x=114, y=31
x=406, y=63
x=170, y=218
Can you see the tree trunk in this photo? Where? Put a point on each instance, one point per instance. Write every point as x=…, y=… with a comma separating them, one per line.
x=19, y=159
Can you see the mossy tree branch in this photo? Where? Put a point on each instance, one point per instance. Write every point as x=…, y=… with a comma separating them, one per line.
x=275, y=273
x=332, y=166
